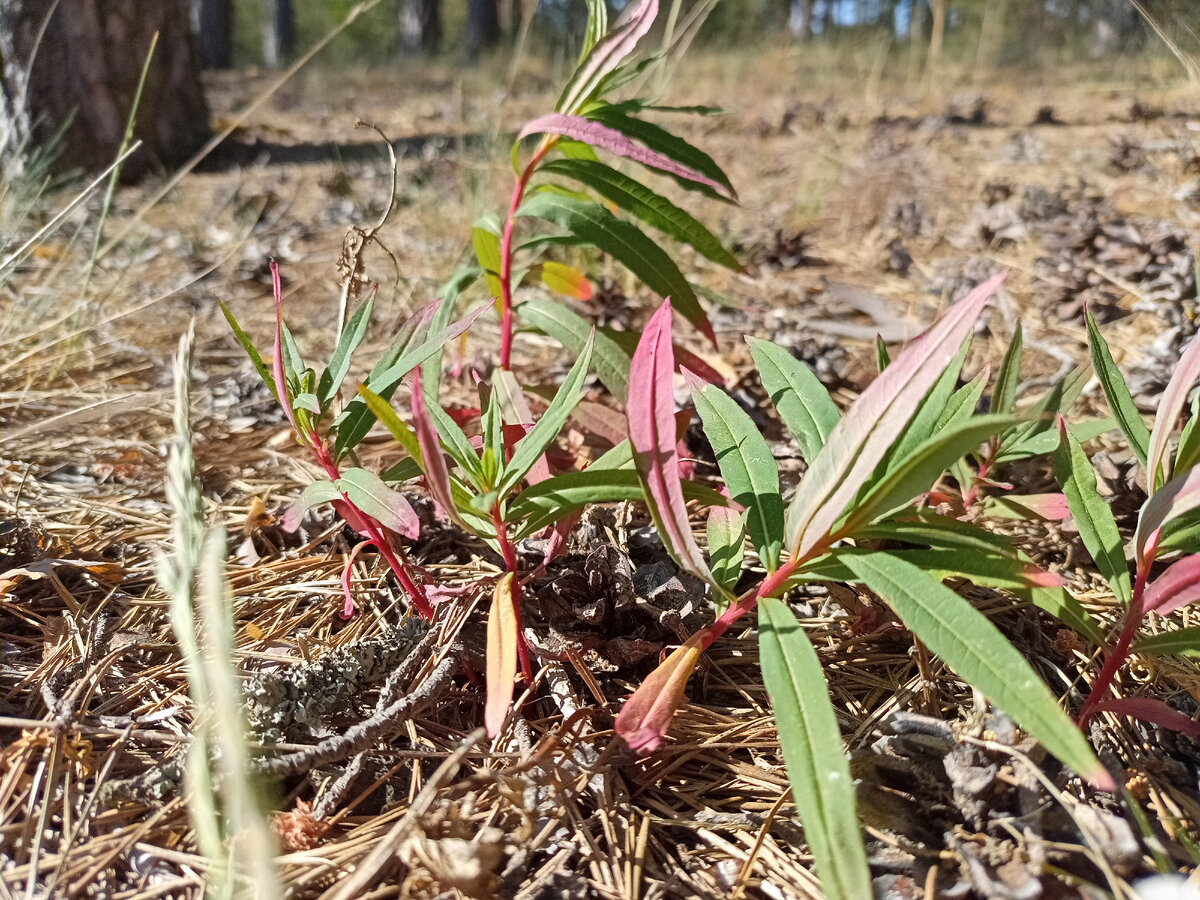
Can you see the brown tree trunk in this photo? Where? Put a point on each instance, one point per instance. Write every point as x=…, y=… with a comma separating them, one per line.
x=420, y=30
x=80, y=79
x=483, y=26
x=213, y=27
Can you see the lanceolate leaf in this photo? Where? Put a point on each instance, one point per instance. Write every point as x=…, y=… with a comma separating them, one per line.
x=546, y=502
x=669, y=145
x=598, y=135
x=1097, y=527
x=383, y=411
x=976, y=650
x=437, y=476
x=965, y=400
x=1044, y=441
x=1148, y=709
x=487, y=251
x=606, y=55
x=264, y=371
x=1120, y=401
x=502, y=639
x=726, y=531
x=1182, y=642
x=339, y=363
x=812, y=748
x=645, y=717
x=1174, y=588
x=747, y=466
x=651, y=415
x=801, y=399
x=628, y=245
x=652, y=208
x=548, y=427
x=572, y=331
x=354, y=423
x=1004, y=398
x=917, y=472
x=1170, y=405
x=925, y=420
x=1187, y=454
x=368, y=492
x=862, y=438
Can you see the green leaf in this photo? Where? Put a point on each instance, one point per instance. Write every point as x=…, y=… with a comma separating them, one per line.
x=405, y=470
x=548, y=427
x=726, y=531
x=456, y=443
x=1061, y=604
x=1004, y=398
x=1182, y=642
x=1093, y=517
x=548, y=501
x=1059, y=399
x=367, y=491
x=916, y=473
x=320, y=491
x=662, y=141
x=1187, y=455
x=812, y=748
x=1045, y=441
x=978, y=653
x=1120, y=401
x=652, y=208
x=882, y=358
x=264, y=371
x=964, y=401
x=573, y=332
x=382, y=410
x=747, y=466
x=339, y=363
x=308, y=402
x=487, y=251
x=628, y=245
x=356, y=420
x=801, y=399
x=924, y=526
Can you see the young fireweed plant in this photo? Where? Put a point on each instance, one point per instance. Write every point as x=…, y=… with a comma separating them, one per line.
x=1168, y=527
x=866, y=469
x=360, y=497
x=562, y=181
x=499, y=487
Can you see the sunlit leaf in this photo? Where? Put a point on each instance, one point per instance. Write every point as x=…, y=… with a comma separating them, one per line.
x=747, y=466
x=487, y=251
x=976, y=650
x=726, y=532
x=812, y=748
x=367, y=491
x=606, y=55
x=566, y=280
x=651, y=415
x=339, y=363
x=1092, y=515
x=1175, y=588
x=315, y=492
x=1181, y=642
x=1172, y=501
x=1170, y=405
x=1004, y=397
x=1120, y=401
x=646, y=716
x=501, y=655
x=802, y=401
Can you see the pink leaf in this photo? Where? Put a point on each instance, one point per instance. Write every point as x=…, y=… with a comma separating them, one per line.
x=646, y=716
x=863, y=436
x=700, y=367
x=437, y=476
x=613, y=141
x=1176, y=497
x=608, y=53
x=519, y=418
x=351, y=516
x=348, y=607
x=277, y=366
x=561, y=530
x=1170, y=405
x=1150, y=710
x=1037, y=577
x=1175, y=588
x=650, y=411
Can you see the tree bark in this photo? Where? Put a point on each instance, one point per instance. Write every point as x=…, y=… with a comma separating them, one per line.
x=279, y=34
x=804, y=19
x=420, y=30
x=74, y=87
x=213, y=26
x=483, y=27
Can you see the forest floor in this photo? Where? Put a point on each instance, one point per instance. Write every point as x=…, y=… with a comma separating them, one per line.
x=864, y=209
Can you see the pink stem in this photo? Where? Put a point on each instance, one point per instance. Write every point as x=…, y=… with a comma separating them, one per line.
x=506, y=239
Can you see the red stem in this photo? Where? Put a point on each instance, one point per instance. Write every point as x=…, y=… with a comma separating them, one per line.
x=377, y=536
x=506, y=239
x=1115, y=658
